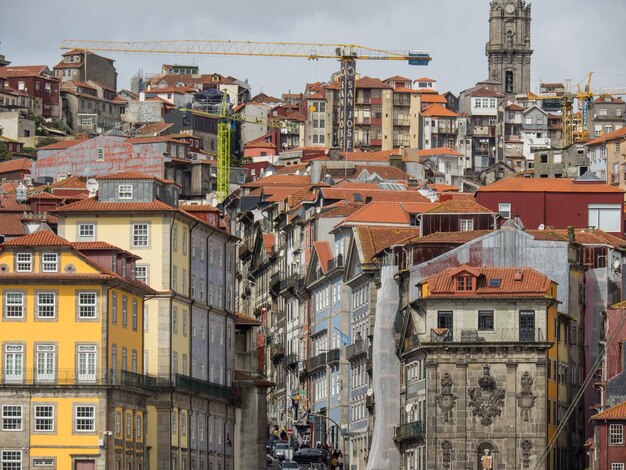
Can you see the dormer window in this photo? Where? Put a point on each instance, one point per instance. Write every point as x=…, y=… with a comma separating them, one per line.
x=125, y=191
x=465, y=283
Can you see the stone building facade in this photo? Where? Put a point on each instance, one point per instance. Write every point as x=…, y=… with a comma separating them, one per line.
x=508, y=49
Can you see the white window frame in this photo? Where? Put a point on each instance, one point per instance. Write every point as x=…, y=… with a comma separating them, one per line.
x=85, y=307
x=617, y=466
x=467, y=225
x=9, y=461
x=14, y=308
x=87, y=231
x=140, y=235
x=24, y=262
x=504, y=208
x=616, y=434
x=84, y=418
x=43, y=417
x=125, y=191
x=100, y=153
x=142, y=273
x=14, y=362
x=12, y=418
x=45, y=362
x=86, y=362
x=50, y=262
x=44, y=307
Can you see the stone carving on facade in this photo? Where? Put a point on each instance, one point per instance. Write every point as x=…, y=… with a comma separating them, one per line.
x=486, y=400
x=446, y=399
x=526, y=446
x=526, y=398
x=446, y=447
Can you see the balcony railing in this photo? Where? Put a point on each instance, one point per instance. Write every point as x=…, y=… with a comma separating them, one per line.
x=247, y=361
x=501, y=335
x=333, y=356
x=209, y=388
x=73, y=377
x=357, y=349
x=291, y=360
x=409, y=431
x=316, y=362
x=277, y=351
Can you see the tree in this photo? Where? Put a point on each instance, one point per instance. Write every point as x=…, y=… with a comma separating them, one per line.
x=4, y=153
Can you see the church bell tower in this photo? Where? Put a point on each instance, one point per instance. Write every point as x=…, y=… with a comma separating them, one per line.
x=508, y=50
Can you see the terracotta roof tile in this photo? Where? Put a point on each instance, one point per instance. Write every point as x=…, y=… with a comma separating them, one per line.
x=583, y=236
x=63, y=144
x=459, y=206
x=621, y=132
x=530, y=283
x=280, y=180
x=91, y=205
x=15, y=165
x=445, y=151
x=352, y=195
x=170, y=89
x=11, y=224
x=10, y=204
x=135, y=175
x=373, y=240
x=617, y=413
x=556, y=185
x=153, y=129
x=458, y=238
x=424, y=79
x=39, y=238
x=324, y=254
x=433, y=98
x=340, y=209
x=150, y=140
x=199, y=208
x=245, y=320
x=394, y=213
x=397, y=78
x=386, y=172
x=436, y=110
x=369, y=82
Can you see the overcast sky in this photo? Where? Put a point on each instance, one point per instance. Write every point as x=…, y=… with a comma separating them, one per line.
x=569, y=37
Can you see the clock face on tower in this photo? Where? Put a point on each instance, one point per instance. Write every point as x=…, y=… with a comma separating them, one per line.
x=510, y=8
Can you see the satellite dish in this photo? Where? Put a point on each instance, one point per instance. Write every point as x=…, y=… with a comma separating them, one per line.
x=318, y=210
x=408, y=407
x=281, y=253
x=280, y=331
x=541, y=227
x=616, y=264
x=20, y=193
x=99, y=130
x=92, y=186
x=370, y=392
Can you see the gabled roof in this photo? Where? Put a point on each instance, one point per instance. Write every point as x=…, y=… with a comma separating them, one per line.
x=486, y=92
x=199, y=208
x=614, y=413
x=436, y=110
x=555, y=185
x=17, y=164
x=459, y=206
x=93, y=206
x=584, y=236
x=443, y=151
x=39, y=238
x=514, y=281
x=424, y=79
x=387, y=213
x=11, y=224
x=397, y=78
x=459, y=238
x=373, y=240
x=24, y=71
x=324, y=254
x=63, y=144
x=135, y=175
x=432, y=98
x=386, y=172
x=350, y=194
x=369, y=82
x=616, y=134
x=154, y=129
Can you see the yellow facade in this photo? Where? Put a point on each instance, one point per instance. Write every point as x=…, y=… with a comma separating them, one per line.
x=63, y=385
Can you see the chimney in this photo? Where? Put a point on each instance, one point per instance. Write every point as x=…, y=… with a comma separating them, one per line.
x=519, y=275
x=395, y=160
x=412, y=183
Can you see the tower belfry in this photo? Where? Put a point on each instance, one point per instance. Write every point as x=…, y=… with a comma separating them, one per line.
x=508, y=50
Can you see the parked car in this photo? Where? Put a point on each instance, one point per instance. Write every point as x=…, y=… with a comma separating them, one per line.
x=290, y=464
x=280, y=450
x=307, y=455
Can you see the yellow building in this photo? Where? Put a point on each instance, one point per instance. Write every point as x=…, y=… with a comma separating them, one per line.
x=73, y=395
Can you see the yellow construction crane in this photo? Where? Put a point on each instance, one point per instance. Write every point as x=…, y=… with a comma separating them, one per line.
x=583, y=95
x=224, y=125
x=347, y=54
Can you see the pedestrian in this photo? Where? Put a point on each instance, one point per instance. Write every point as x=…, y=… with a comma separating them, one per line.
x=340, y=460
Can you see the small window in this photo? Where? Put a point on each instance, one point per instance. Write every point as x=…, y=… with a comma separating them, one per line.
x=504, y=210
x=24, y=262
x=464, y=283
x=494, y=282
x=85, y=418
x=617, y=466
x=50, y=262
x=616, y=434
x=87, y=304
x=11, y=460
x=467, y=225
x=14, y=305
x=485, y=320
x=86, y=231
x=44, y=418
x=125, y=191
x=46, y=305
x=12, y=417
x=100, y=152
x=141, y=273
x=140, y=235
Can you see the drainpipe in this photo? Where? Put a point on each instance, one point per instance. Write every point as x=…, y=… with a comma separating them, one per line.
x=170, y=336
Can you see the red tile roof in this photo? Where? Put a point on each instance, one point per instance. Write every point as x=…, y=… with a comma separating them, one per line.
x=436, y=110
x=392, y=213
x=614, y=413
x=154, y=129
x=373, y=240
x=554, y=185
x=135, y=175
x=515, y=107
x=385, y=172
x=433, y=98
x=444, y=151
x=280, y=180
x=37, y=239
x=16, y=164
x=23, y=71
x=440, y=187
x=324, y=254
x=583, y=236
x=459, y=206
x=424, y=79
x=621, y=132
x=10, y=204
x=171, y=89
x=486, y=92
x=11, y=224
x=531, y=283
x=199, y=208
x=150, y=140
x=91, y=205
x=340, y=209
x=379, y=156
x=458, y=238
x=63, y=144
x=369, y=82
x=348, y=194
x=244, y=320
x=397, y=78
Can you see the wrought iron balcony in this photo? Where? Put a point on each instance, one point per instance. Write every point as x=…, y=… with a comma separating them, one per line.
x=500, y=335
x=291, y=360
x=316, y=362
x=356, y=350
x=333, y=356
x=409, y=431
x=277, y=351
x=76, y=378
x=202, y=386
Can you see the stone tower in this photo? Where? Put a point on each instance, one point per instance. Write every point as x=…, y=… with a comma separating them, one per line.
x=508, y=50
